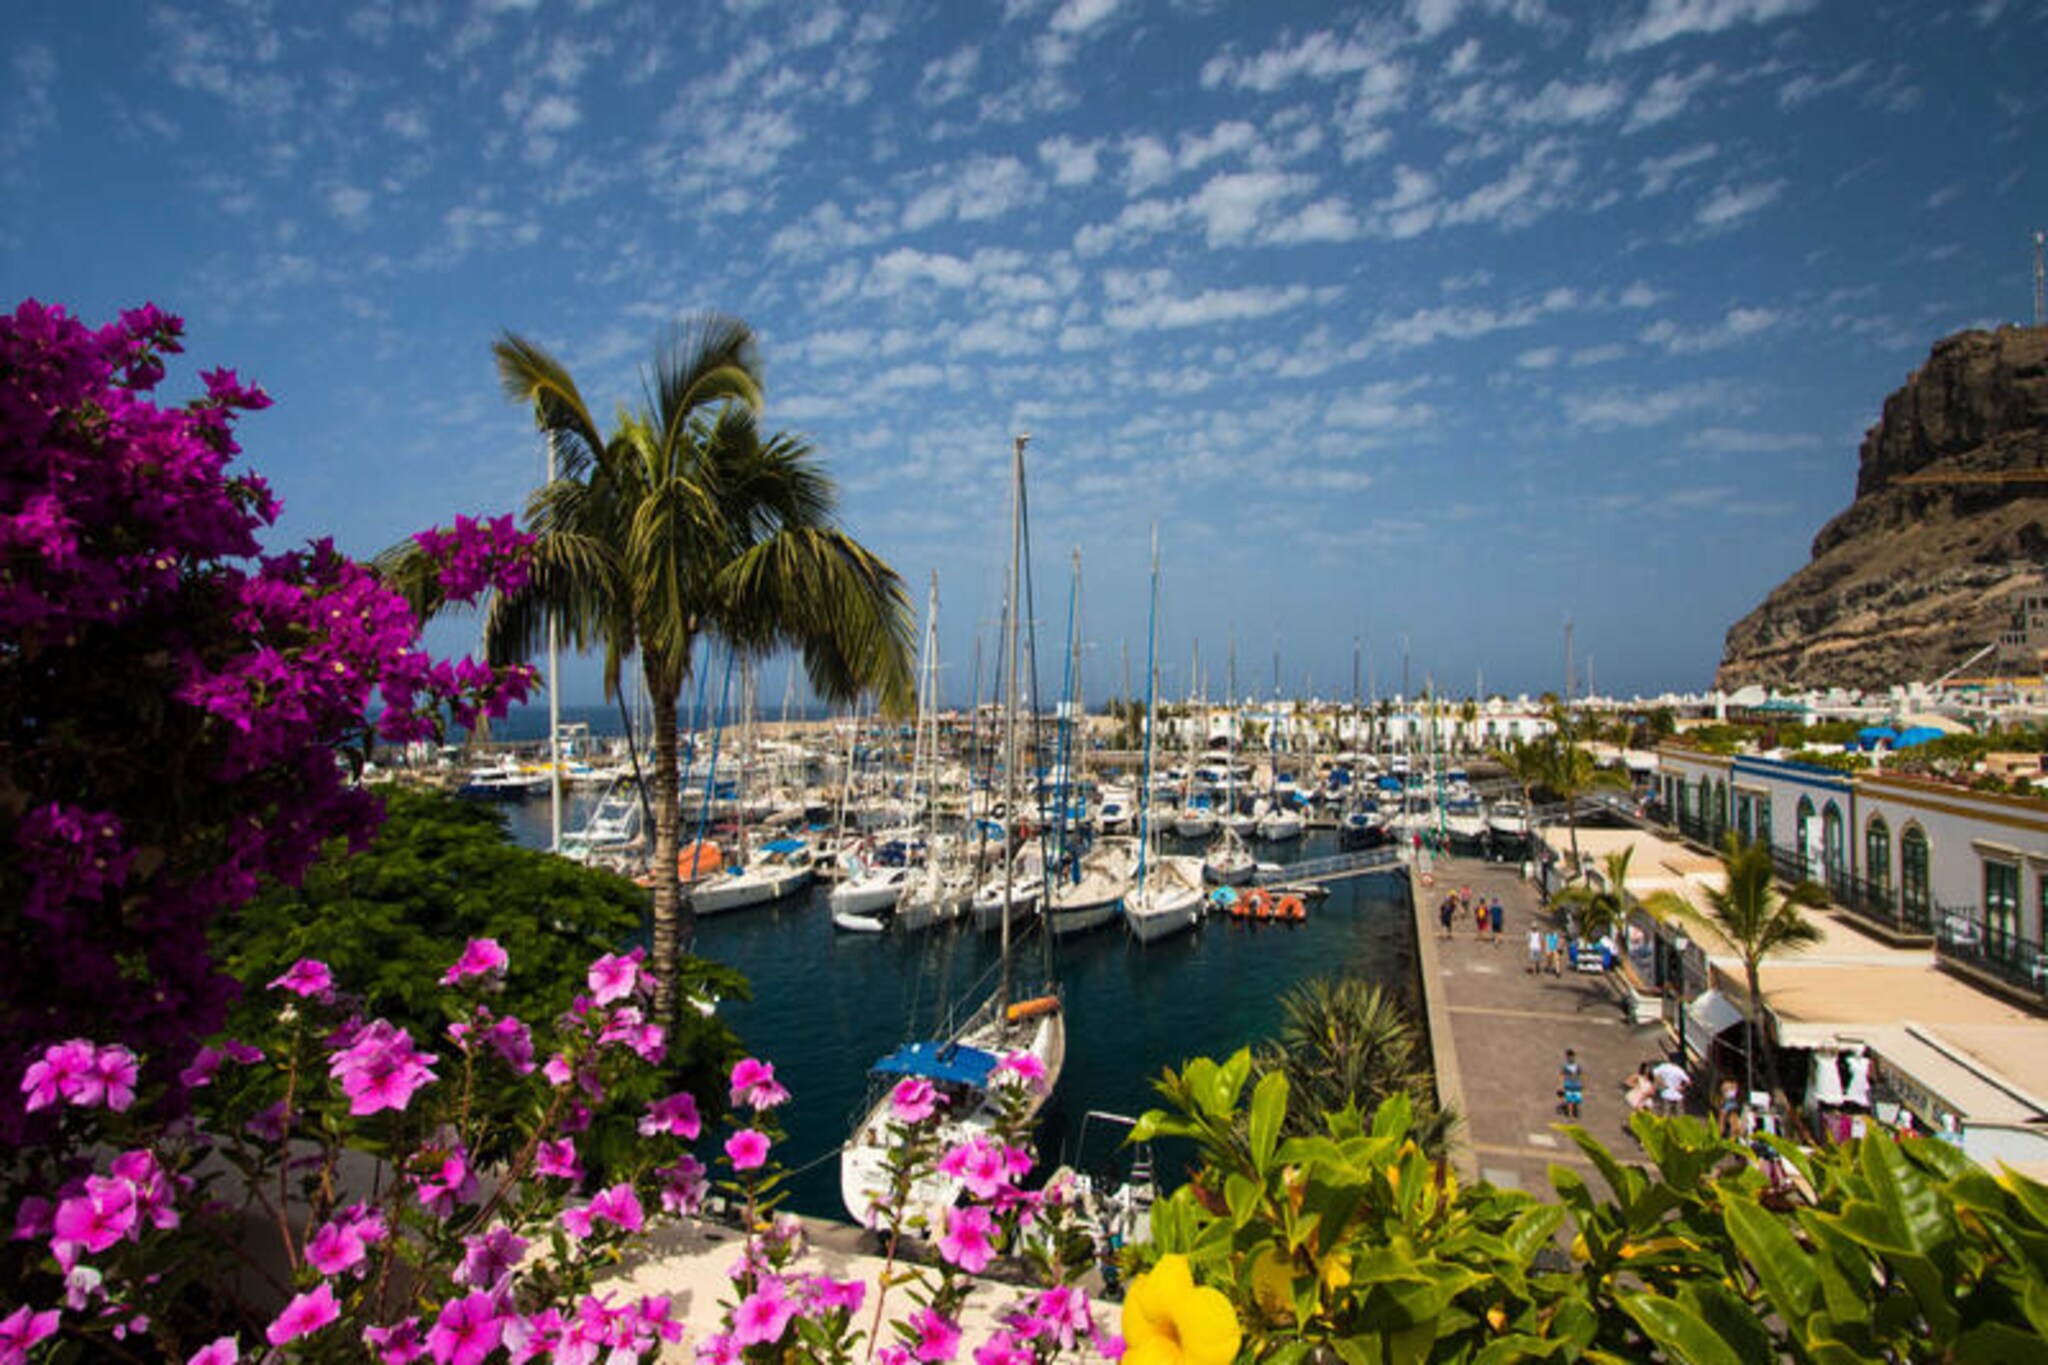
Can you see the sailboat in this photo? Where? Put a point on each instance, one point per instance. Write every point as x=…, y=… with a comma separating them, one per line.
x=1168, y=895
x=1086, y=888
x=937, y=893
x=962, y=1064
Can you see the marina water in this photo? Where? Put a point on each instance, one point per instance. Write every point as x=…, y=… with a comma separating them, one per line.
x=827, y=1004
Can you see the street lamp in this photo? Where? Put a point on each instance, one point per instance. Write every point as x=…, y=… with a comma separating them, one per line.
x=1680, y=944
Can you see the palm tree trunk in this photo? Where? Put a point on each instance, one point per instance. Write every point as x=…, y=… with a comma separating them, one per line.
x=672, y=931
x=1754, y=1023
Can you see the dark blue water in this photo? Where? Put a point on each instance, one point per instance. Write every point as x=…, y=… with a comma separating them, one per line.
x=827, y=1004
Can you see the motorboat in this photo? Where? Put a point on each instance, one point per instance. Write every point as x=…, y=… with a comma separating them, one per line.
x=777, y=869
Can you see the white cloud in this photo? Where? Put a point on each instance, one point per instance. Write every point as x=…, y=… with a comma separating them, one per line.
x=1539, y=358
x=1076, y=17
x=1142, y=301
x=1234, y=207
x=1662, y=21
x=1637, y=409
x=950, y=77
x=1639, y=295
x=1660, y=173
x=1737, y=326
x=406, y=121
x=1379, y=407
x=349, y=203
x=1321, y=56
x=1735, y=441
x=1732, y=203
x=980, y=188
x=1072, y=163
x=1804, y=89
x=553, y=114
x=29, y=110
x=1666, y=98
x=1568, y=102
x=906, y=266
x=828, y=229
x=1432, y=17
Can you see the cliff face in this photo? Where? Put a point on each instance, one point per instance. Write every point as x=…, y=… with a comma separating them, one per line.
x=1919, y=571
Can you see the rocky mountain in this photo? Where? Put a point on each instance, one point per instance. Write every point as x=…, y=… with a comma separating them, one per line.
x=1949, y=522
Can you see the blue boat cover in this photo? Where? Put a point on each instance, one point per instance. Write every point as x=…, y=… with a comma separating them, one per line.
x=783, y=846
x=940, y=1062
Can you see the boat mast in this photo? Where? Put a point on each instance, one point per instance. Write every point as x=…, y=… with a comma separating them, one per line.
x=1010, y=716
x=1151, y=718
x=554, y=707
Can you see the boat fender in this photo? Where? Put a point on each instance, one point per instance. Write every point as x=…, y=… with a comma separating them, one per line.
x=1290, y=907
x=1031, y=1009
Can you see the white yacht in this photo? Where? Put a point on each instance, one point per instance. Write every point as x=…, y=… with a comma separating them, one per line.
x=779, y=868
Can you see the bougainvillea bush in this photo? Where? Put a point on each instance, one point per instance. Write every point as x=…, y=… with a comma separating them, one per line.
x=178, y=710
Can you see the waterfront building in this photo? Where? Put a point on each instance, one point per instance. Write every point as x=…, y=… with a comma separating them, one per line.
x=1948, y=891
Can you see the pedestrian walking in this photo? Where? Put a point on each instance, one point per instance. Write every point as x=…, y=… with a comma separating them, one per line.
x=1572, y=1083
x=1553, y=954
x=1641, y=1091
x=1478, y=919
x=1496, y=916
x=1535, y=950
x=1443, y=917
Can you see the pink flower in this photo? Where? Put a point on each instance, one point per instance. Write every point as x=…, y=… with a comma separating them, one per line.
x=938, y=1337
x=747, y=1149
x=380, y=1069
x=488, y=1259
x=754, y=1085
x=619, y=1206
x=718, y=1349
x=221, y=1351
x=1025, y=1066
x=513, y=1042
x=558, y=1072
x=826, y=1294
x=113, y=1071
x=480, y=957
x=334, y=1248
x=762, y=1315
x=683, y=1184
x=614, y=977
x=307, y=978
x=467, y=1330
x=914, y=1100
x=306, y=1313
x=677, y=1114
x=557, y=1159
x=969, y=1238
x=23, y=1328
x=1003, y=1348
x=985, y=1165
x=58, y=1073
x=398, y=1344
x=98, y=1218
x=449, y=1184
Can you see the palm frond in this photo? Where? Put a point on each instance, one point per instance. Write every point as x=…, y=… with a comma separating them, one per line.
x=531, y=375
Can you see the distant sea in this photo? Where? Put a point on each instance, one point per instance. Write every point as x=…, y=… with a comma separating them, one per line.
x=828, y=1004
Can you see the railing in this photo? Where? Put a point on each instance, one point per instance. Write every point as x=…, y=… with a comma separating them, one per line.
x=1962, y=937
x=1878, y=902
x=1330, y=869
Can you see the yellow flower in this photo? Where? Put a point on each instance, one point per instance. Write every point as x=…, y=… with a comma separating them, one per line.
x=1169, y=1320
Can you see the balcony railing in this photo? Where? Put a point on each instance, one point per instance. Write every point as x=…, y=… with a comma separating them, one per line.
x=1962, y=936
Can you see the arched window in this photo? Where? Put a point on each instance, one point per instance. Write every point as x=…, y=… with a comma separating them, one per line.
x=2001, y=908
x=1914, y=900
x=1834, y=847
x=1877, y=857
x=1720, y=810
x=1802, y=836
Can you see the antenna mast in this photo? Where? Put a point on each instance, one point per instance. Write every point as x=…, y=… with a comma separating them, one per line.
x=2040, y=281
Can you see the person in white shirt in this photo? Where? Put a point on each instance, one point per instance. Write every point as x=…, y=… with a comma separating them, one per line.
x=1672, y=1082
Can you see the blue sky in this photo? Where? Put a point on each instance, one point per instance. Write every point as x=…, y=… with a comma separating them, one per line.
x=1440, y=322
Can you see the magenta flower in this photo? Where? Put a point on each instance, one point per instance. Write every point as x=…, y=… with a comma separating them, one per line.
x=63, y=1072
x=614, y=977
x=985, y=1165
x=718, y=1349
x=307, y=978
x=481, y=957
x=101, y=1216
x=449, y=1184
x=334, y=1248
x=23, y=1328
x=754, y=1085
x=380, y=1069
x=468, y=1330
x=558, y=1159
x=114, y=1072
x=220, y=1351
x=619, y=1206
x=677, y=1114
x=513, y=1042
x=762, y=1315
x=969, y=1240
x=683, y=1184
x=747, y=1149
x=1003, y=1348
x=826, y=1294
x=306, y=1313
x=489, y=1258
x=398, y=1344
x=914, y=1100
x=938, y=1337
x=1025, y=1066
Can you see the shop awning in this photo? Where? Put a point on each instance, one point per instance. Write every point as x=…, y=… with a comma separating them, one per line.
x=1709, y=1016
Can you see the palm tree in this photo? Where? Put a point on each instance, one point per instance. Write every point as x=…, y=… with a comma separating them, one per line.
x=687, y=524
x=1604, y=909
x=1345, y=1041
x=1758, y=921
x=1568, y=770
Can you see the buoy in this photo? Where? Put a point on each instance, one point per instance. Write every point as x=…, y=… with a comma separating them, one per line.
x=1031, y=1009
x=1290, y=907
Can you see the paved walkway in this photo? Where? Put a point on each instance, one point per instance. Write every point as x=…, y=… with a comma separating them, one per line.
x=1499, y=1035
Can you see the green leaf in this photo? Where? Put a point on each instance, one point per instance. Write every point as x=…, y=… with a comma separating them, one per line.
x=1682, y=1333
x=1781, y=1265
x=1626, y=1181
x=1911, y=1202
x=1731, y=1318
x=1269, y=1107
x=1996, y=1343
x=1243, y=1195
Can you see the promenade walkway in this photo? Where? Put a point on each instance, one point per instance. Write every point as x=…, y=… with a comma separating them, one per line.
x=1499, y=1035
